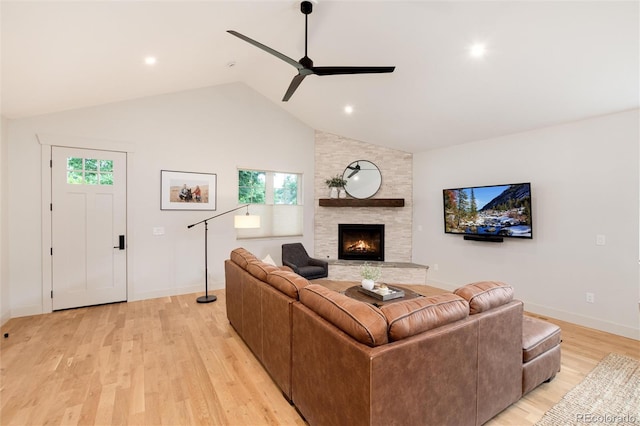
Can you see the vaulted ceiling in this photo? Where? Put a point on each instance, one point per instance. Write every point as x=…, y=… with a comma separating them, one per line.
x=546, y=62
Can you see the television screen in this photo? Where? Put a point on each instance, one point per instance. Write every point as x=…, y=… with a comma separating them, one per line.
x=498, y=210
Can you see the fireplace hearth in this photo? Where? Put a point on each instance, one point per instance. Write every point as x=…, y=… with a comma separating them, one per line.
x=360, y=242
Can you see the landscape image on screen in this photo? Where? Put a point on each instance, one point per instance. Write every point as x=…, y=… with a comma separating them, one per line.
x=503, y=210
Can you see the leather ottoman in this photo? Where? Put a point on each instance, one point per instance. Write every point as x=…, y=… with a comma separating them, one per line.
x=540, y=352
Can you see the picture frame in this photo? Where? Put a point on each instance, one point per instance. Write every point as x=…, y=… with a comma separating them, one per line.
x=187, y=190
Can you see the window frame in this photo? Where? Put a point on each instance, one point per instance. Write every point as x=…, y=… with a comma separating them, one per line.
x=270, y=226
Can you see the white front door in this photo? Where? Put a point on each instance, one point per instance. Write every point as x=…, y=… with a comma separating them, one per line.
x=88, y=225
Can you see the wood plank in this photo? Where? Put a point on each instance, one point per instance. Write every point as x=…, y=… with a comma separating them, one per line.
x=364, y=202
x=174, y=361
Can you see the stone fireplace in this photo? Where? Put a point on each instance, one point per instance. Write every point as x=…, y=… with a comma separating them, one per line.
x=360, y=242
x=332, y=155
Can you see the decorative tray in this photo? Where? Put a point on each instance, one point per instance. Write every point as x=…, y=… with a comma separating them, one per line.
x=383, y=293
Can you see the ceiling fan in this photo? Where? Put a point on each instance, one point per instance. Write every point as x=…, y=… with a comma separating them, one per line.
x=355, y=169
x=305, y=65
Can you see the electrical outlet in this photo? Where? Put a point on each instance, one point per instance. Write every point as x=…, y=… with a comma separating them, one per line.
x=435, y=267
x=591, y=298
x=601, y=240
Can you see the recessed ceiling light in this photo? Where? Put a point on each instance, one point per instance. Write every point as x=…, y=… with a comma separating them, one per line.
x=348, y=109
x=477, y=50
x=150, y=60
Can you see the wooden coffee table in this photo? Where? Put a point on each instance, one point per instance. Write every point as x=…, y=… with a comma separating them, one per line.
x=411, y=290
x=355, y=293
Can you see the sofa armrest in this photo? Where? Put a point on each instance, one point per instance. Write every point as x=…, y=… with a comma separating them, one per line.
x=318, y=262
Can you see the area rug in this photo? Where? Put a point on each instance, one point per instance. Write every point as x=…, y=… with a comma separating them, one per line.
x=609, y=394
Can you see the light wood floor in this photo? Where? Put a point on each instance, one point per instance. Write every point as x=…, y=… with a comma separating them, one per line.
x=172, y=361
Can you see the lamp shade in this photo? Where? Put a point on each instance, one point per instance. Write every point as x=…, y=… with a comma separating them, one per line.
x=246, y=221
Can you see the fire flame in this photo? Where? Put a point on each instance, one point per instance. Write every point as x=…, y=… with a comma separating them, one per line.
x=360, y=246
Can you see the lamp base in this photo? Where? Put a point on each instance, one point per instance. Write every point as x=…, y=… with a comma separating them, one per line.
x=207, y=299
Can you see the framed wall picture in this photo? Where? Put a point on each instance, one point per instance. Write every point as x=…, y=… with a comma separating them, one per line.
x=187, y=190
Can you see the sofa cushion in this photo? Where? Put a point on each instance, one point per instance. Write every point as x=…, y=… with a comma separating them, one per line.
x=409, y=317
x=362, y=321
x=485, y=295
x=287, y=282
x=259, y=269
x=538, y=337
x=241, y=257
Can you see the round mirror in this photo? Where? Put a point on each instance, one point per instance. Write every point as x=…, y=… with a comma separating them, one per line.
x=363, y=179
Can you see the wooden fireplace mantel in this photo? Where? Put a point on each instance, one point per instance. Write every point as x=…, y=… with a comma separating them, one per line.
x=365, y=202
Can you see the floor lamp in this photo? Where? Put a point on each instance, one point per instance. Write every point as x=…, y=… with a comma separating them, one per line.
x=240, y=221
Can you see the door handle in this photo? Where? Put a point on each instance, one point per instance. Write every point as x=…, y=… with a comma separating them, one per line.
x=120, y=242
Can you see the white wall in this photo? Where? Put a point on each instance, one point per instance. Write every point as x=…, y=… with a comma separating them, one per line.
x=585, y=181
x=210, y=130
x=4, y=225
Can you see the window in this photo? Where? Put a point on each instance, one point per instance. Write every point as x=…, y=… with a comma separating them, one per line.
x=89, y=171
x=276, y=197
x=252, y=187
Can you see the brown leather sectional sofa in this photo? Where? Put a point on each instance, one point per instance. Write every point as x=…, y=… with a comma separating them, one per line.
x=448, y=359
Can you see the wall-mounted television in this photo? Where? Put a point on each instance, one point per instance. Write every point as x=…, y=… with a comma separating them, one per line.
x=489, y=212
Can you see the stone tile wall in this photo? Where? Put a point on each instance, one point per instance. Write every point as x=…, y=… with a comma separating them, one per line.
x=333, y=154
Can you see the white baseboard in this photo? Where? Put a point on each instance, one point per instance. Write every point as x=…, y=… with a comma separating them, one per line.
x=585, y=321
x=174, y=292
x=25, y=311
x=4, y=318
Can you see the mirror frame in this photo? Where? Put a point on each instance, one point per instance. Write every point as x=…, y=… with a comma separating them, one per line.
x=358, y=188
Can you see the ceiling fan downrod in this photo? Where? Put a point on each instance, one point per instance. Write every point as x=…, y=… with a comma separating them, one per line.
x=306, y=7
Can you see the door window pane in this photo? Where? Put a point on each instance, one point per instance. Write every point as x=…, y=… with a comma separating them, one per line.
x=89, y=171
x=91, y=178
x=74, y=163
x=106, y=165
x=106, y=178
x=74, y=178
x=90, y=164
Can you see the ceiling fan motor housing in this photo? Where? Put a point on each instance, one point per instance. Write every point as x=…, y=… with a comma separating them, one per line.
x=306, y=7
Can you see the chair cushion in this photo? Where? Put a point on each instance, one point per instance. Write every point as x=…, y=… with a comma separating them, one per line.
x=414, y=316
x=485, y=295
x=538, y=337
x=259, y=269
x=241, y=257
x=312, y=271
x=362, y=321
x=287, y=282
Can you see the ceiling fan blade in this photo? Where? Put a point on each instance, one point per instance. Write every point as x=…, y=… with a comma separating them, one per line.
x=351, y=70
x=355, y=169
x=293, y=86
x=266, y=49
